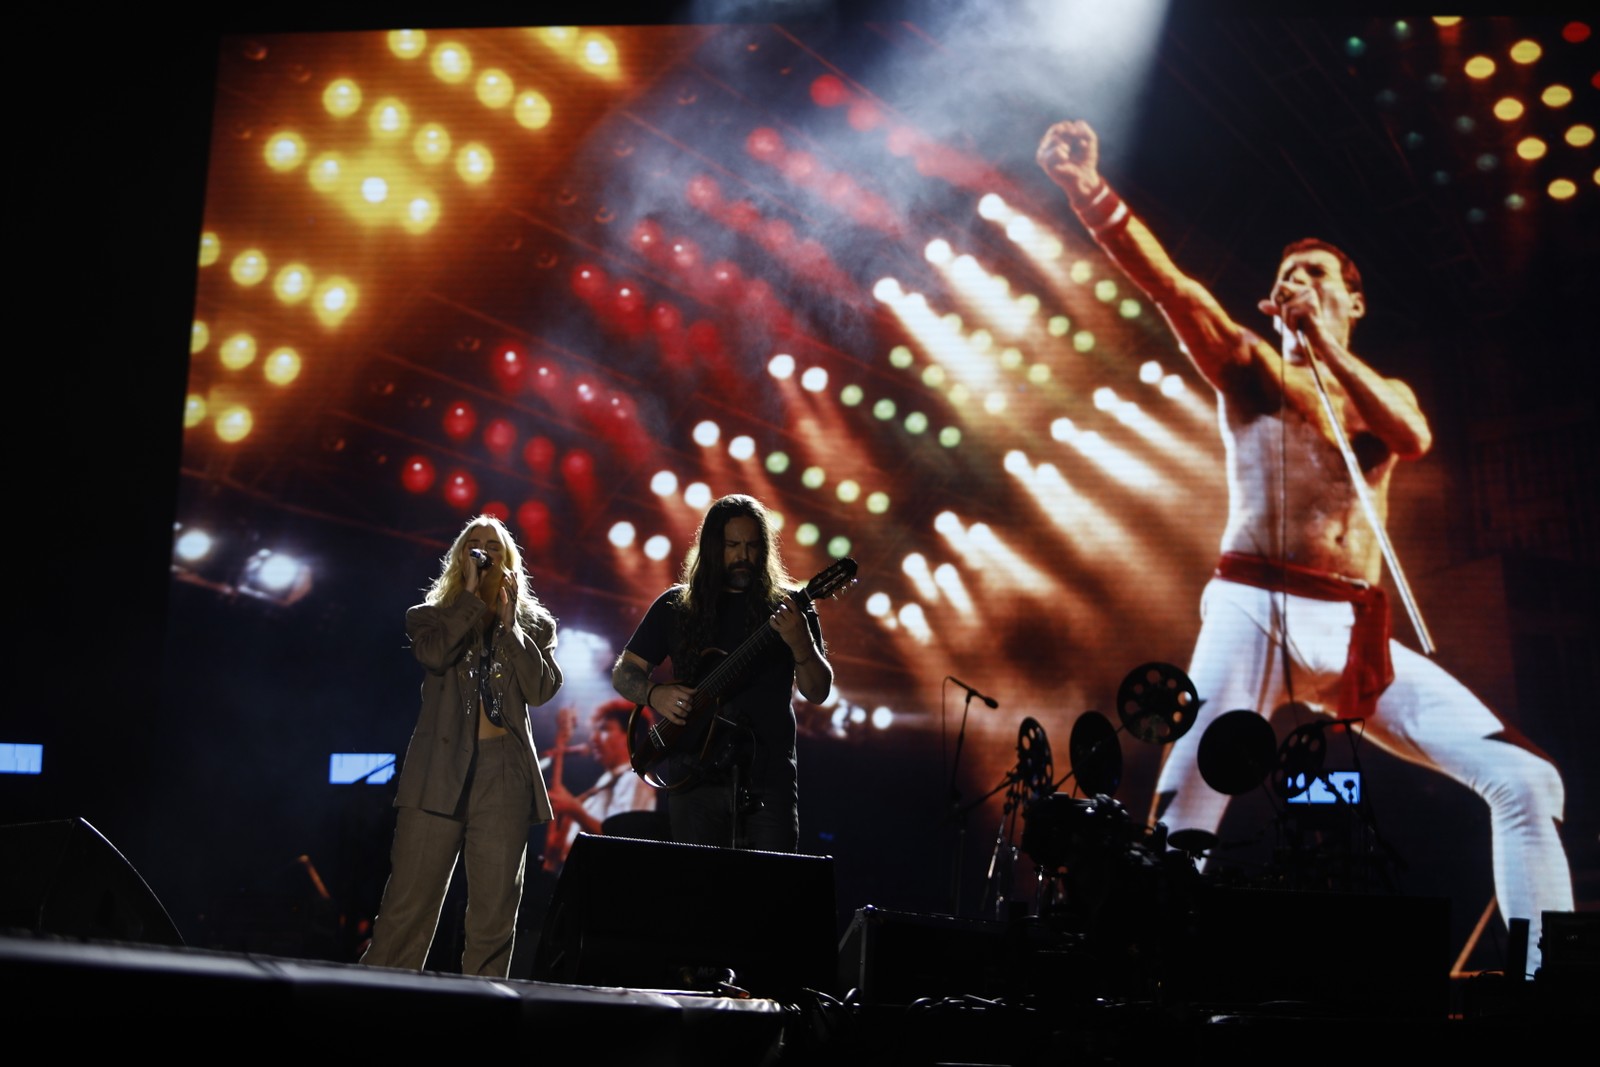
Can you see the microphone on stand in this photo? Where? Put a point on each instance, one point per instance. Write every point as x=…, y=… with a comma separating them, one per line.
x=971, y=692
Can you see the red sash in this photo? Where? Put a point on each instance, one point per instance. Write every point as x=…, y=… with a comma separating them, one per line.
x=1367, y=669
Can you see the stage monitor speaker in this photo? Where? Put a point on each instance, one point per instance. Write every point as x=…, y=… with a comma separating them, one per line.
x=891, y=957
x=1571, y=944
x=1367, y=954
x=64, y=877
x=656, y=915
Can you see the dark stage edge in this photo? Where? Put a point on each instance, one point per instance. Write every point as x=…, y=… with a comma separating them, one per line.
x=140, y=996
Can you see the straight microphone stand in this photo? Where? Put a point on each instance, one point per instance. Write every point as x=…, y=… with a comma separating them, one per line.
x=956, y=810
x=1368, y=505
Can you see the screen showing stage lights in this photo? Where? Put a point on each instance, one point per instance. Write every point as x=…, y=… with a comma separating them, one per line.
x=589, y=279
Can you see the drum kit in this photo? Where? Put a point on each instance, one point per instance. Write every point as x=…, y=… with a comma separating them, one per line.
x=1091, y=858
x=1070, y=834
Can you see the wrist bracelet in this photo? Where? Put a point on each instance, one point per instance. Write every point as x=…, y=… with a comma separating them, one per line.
x=648, y=693
x=1119, y=215
x=1104, y=210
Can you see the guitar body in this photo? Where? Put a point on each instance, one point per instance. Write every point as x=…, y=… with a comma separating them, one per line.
x=670, y=755
x=654, y=741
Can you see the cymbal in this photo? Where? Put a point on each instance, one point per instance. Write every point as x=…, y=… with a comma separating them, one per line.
x=1300, y=759
x=1193, y=842
x=1096, y=756
x=1034, y=766
x=1157, y=703
x=1236, y=752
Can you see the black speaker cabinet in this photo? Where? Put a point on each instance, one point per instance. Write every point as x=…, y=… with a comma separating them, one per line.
x=891, y=957
x=1571, y=944
x=1373, y=955
x=655, y=915
x=64, y=877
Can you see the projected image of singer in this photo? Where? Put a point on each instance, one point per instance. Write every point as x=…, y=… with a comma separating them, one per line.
x=1295, y=610
x=742, y=793
x=470, y=784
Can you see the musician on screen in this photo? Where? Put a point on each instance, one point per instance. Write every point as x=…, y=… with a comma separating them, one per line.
x=618, y=791
x=1295, y=611
x=739, y=790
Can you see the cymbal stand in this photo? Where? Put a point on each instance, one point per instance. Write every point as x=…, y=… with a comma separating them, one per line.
x=1003, y=860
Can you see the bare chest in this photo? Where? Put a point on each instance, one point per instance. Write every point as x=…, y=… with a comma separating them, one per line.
x=1292, y=495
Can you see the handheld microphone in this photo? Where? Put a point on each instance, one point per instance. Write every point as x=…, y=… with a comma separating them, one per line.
x=479, y=556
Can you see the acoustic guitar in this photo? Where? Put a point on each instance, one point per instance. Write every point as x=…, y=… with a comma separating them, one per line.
x=651, y=740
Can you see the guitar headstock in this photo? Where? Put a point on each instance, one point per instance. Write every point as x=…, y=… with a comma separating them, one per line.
x=566, y=723
x=833, y=580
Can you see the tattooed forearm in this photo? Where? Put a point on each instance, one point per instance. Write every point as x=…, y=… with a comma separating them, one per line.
x=631, y=680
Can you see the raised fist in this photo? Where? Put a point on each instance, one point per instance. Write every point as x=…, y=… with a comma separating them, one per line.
x=1070, y=154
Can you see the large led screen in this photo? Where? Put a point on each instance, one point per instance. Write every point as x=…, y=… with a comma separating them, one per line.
x=590, y=279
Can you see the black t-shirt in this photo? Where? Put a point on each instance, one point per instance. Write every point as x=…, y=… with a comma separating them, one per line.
x=759, y=697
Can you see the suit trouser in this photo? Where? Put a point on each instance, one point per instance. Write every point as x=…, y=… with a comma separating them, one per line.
x=490, y=831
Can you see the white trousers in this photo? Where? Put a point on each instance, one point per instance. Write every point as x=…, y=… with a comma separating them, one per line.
x=1426, y=717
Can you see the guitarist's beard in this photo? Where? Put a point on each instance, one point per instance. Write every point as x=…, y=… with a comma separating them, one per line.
x=741, y=576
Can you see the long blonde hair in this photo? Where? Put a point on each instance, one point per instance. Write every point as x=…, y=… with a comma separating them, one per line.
x=532, y=617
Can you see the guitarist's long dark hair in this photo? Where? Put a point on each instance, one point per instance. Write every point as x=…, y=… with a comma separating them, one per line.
x=705, y=575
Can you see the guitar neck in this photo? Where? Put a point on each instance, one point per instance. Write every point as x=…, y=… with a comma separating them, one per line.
x=733, y=666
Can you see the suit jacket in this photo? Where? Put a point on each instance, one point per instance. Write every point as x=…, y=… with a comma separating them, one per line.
x=448, y=641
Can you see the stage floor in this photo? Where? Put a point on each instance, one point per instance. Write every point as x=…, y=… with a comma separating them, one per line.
x=78, y=991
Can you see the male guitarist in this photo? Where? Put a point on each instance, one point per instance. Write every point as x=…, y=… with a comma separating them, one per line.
x=739, y=790
x=616, y=792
